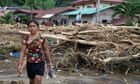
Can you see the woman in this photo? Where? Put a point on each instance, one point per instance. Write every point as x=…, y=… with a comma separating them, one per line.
x=37, y=49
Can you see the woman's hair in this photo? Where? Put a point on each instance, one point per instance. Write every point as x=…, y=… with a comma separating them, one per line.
x=34, y=21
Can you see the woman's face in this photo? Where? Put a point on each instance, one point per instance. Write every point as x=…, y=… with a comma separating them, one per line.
x=33, y=28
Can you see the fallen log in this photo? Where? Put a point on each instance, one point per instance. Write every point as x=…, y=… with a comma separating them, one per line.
x=62, y=37
x=126, y=58
x=24, y=32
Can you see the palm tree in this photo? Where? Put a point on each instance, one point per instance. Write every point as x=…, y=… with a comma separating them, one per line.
x=8, y=18
x=128, y=9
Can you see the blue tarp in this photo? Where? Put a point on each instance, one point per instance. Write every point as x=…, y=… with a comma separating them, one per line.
x=14, y=54
x=85, y=11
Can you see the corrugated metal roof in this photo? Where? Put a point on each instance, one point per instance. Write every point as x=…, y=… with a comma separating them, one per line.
x=90, y=1
x=55, y=11
x=85, y=11
x=40, y=13
x=47, y=16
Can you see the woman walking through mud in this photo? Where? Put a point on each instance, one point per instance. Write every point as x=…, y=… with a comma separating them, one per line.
x=36, y=47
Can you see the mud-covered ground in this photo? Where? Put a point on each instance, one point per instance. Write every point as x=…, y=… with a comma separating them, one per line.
x=9, y=41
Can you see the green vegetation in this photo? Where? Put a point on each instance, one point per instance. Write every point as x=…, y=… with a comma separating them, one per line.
x=62, y=3
x=35, y=4
x=6, y=2
x=8, y=18
x=44, y=4
x=128, y=9
x=39, y=4
x=24, y=18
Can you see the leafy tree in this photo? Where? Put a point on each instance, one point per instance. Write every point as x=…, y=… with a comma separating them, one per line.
x=50, y=4
x=127, y=9
x=44, y=4
x=36, y=4
x=19, y=2
x=5, y=2
x=28, y=4
x=39, y=4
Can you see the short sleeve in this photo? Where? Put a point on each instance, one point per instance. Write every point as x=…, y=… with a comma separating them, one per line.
x=42, y=39
x=24, y=42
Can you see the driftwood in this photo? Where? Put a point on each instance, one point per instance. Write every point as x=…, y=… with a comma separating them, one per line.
x=121, y=58
x=62, y=37
x=95, y=45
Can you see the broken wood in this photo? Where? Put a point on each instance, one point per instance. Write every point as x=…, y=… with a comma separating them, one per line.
x=99, y=45
x=125, y=58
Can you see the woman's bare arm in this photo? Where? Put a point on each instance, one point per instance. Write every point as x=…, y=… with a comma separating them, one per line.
x=20, y=62
x=47, y=51
x=22, y=51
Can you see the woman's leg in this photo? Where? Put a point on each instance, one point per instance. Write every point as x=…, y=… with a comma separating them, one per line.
x=38, y=79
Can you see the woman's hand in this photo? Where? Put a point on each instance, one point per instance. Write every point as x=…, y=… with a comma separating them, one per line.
x=19, y=68
x=51, y=64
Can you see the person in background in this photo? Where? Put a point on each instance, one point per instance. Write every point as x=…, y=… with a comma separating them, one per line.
x=37, y=48
x=78, y=18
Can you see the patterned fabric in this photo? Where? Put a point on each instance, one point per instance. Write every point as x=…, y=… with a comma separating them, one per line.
x=35, y=52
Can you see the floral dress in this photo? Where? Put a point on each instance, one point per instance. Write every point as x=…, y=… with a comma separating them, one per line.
x=35, y=52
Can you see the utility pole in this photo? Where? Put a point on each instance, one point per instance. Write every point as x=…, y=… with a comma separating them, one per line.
x=32, y=2
x=98, y=12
